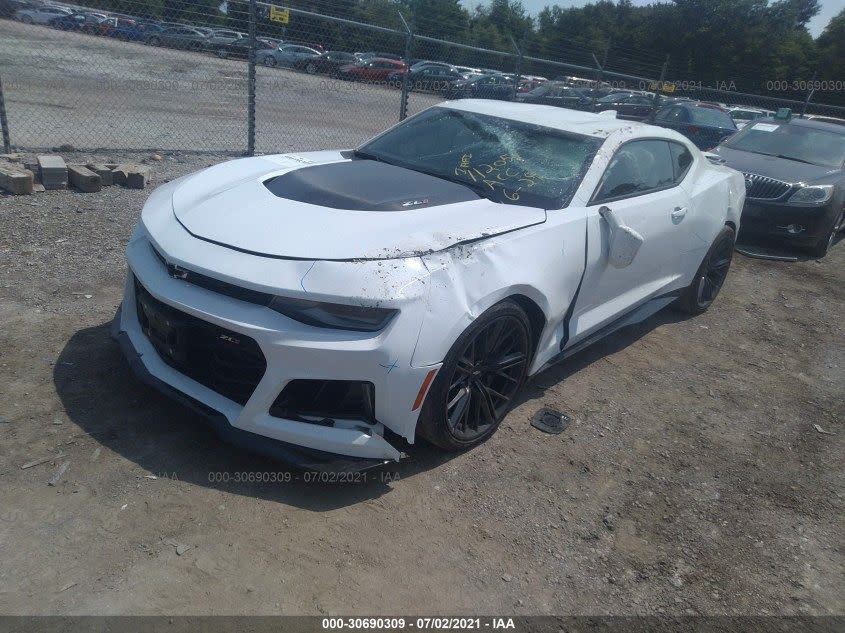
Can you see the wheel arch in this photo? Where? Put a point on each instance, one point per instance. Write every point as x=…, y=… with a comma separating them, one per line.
x=435, y=342
x=536, y=317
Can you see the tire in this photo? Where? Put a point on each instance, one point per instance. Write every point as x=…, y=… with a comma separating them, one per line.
x=824, y=244
x=311, y=68
x=26, y=19
x=468, y=399
x=269, y=61
x=710, y=276
x=154, y=41
x=222, y=53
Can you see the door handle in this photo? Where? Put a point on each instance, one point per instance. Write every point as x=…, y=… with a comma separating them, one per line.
x=678, y=214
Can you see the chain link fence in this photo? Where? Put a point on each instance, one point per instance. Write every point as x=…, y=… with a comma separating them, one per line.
x=241, y=77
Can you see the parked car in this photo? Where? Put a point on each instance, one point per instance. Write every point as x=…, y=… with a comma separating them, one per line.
x=132, y=31
x=68, y=22
x=240, y=48
x=795, y=176
x=41, y=15
x=99, y=24
x=742, y=116
x=374, y=70
x=8, y=8
x=430, y=77
x=527, y=83
x=302, y=340
x=496, y=86
x=422, y=63
x=705, y=125
x=177, y=37
x=559, y=94
x=371, y=55
x=221, y=37
x=285, y=55
x=327, y=63
x=628, y=105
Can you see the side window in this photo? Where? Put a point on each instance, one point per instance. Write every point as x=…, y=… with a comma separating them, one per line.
x=637, y=168
x=681, y=160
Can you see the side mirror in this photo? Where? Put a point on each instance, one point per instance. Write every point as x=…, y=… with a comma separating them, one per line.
x=624, y=241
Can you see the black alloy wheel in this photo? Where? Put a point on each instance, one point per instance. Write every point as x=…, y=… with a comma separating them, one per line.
x=479, y=379
x=711, y=274
x=718, y=263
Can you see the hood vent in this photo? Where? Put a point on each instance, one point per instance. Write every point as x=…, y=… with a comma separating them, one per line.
x=367, y=185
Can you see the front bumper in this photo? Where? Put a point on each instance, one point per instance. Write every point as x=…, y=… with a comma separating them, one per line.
x=298, y=456
x=292, y=351
x=801, y=226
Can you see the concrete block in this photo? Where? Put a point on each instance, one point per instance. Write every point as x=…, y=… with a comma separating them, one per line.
x=104, y=172
x=53, y=171
x=84, y=179
x=132, y=176
x=33, y=167
x=15, y=180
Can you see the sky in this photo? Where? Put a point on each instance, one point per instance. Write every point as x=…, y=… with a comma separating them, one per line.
x=816, y=26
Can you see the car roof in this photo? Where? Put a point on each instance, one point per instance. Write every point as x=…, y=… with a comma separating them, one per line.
x=599, y=125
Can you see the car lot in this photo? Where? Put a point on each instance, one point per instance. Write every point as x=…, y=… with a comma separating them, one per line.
x=88, y=91
x=692, y=479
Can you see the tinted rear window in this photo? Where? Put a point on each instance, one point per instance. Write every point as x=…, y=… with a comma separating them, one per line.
x=711, y=117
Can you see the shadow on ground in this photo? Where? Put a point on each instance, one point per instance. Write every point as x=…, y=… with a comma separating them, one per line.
x=101, y=394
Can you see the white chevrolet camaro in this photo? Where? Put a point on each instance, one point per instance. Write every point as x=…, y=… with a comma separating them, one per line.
x=333, y=305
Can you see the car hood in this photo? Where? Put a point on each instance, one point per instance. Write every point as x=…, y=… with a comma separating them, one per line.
x=322, y=205
x=772, y=166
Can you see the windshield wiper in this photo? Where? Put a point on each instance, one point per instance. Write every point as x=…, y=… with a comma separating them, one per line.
x=357, y=153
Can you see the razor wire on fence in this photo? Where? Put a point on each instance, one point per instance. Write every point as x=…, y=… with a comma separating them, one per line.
x=259, y=77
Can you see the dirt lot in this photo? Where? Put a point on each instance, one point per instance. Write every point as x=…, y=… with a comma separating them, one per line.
x=99, y=92
x=693, y=479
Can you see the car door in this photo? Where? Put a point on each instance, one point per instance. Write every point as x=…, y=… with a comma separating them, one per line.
x=642, y=189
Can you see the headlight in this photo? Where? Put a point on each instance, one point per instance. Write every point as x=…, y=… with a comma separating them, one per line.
x=816, y=194
x=333, y=315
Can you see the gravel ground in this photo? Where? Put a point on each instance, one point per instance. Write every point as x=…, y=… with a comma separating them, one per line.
x=98, y=92
x=693, y=479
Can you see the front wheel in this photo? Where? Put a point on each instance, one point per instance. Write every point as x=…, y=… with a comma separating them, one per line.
x=269, y=61
x=824, y=244
x=482, y=373
x=711, y=274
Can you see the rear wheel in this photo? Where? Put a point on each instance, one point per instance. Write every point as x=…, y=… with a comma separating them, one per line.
x=311, y=68
x=222, y=53
x=269, y=61
x=482, y=373
x=710, y=276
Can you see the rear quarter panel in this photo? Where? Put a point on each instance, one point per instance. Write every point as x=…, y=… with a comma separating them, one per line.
x=717, y=194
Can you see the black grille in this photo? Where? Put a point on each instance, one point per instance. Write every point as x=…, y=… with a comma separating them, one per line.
x=764, y=188
x=227, y=362
x=215, y=285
